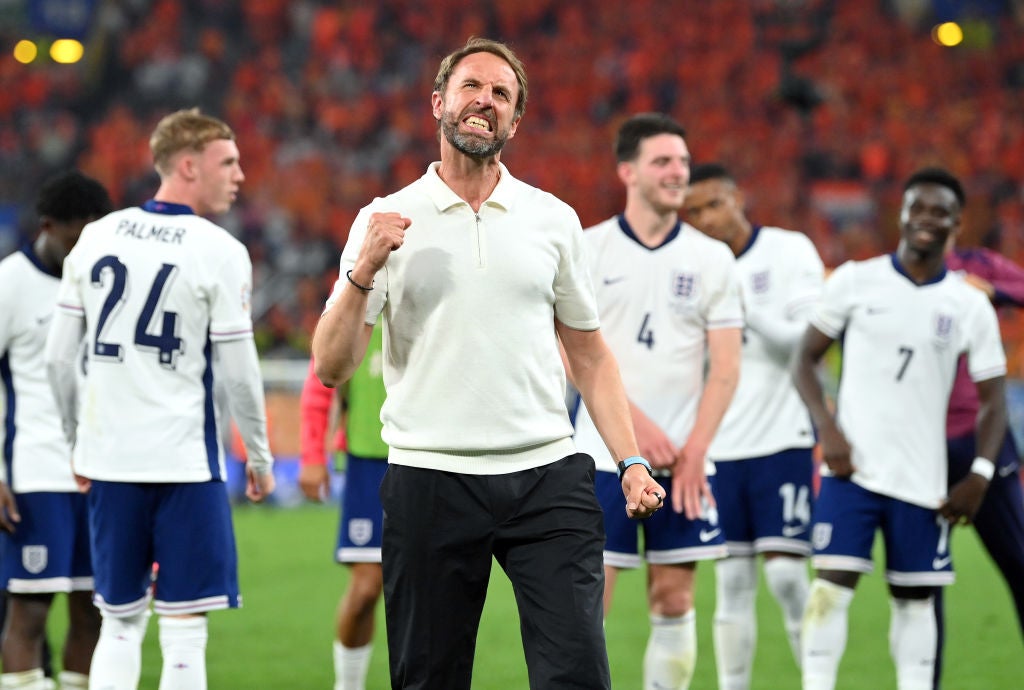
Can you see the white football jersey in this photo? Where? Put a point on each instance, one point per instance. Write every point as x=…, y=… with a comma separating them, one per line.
x=156, y=286
x=36, y=455
x=656, y=306
x=781, y=277
x=901, y=342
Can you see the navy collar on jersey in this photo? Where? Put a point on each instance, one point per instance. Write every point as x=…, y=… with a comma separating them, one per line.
x=902, y=271
x=167, y=208
x=632, y=235
x=754, y=230
x=30, y=253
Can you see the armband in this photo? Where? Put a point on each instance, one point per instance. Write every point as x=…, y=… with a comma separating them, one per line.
x=983, y=466
x=633, y=460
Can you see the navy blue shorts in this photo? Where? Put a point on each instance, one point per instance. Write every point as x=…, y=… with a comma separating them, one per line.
x=916, y=539
x=49, y=550
x=765, y=503
x=669, y=537
x=185, y=528
x=362, y=518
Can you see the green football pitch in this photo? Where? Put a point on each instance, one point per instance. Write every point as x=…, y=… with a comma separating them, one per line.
x=281, y=638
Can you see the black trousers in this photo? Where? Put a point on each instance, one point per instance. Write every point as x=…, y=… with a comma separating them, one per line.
x=543, y=526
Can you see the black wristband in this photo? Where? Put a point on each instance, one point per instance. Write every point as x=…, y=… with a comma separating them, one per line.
x=348, y=274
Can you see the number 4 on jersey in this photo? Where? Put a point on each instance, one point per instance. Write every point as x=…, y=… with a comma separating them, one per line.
x=646, y=334
x=165, y=341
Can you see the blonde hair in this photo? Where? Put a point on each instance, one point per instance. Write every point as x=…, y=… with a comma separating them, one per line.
x=181, y=130
x=484, y=45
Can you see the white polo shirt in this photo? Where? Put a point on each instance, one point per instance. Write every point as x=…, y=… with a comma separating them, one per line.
x=472, y=369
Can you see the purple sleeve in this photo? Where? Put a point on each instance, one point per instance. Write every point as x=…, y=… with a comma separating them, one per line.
x=1006, y=276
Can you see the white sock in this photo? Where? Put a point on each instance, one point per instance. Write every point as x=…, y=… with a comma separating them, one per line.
x=787, y=581
x=183, y=645
x=671, y=653
x=351, y=666
x=735, y=626
x=912, y=638
x=70, y=680
x=824, y=633
x=117, y=659
x=33, y=679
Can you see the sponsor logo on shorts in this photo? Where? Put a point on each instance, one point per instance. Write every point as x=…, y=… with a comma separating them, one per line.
x=940, y=563
x=360, y=530
x=707, y=535
x=34, y=558
x=821, y=536
x=793, y=530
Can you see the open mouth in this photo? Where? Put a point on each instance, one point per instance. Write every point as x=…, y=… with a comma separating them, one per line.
x=478, y=123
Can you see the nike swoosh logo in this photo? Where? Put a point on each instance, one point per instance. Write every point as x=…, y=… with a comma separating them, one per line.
x=1007, y=470
x=41, y=320
x=940, y=563
x=708, y=536
x=877, y=310
x=612, y=281
x=792, y=531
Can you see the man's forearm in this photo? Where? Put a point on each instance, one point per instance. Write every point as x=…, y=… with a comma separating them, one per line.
x=341, y=337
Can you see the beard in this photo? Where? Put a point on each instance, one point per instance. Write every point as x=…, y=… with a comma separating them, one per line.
x=470, y=144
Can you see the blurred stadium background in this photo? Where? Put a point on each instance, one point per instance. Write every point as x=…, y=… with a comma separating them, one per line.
x=821, y=107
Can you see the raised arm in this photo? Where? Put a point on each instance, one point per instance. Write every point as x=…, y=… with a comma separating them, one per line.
x=342, y=334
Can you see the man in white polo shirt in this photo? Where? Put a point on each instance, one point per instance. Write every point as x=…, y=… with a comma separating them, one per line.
x=477, y=277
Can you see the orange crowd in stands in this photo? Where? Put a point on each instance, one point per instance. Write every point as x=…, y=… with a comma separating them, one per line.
x=820, y=108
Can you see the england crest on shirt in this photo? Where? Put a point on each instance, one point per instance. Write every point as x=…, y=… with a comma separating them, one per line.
x=943, y=327
x=760, y=282
x=685, y=286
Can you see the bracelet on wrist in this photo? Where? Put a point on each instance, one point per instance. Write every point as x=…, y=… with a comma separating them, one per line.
x=983, y=466
x=363, y=288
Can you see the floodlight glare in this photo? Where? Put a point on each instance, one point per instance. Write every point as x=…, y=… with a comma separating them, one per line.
x=25, y=51
x=66, y=51
x=948, y=34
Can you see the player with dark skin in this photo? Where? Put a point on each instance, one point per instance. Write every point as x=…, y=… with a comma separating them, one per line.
x=929, y=216
x=25, y=627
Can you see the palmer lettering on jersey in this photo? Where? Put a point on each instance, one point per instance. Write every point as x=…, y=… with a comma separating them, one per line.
x=170, y=234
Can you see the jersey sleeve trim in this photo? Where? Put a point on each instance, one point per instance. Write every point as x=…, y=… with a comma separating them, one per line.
x=724, y=323
x=988, y=373
x=233, y=334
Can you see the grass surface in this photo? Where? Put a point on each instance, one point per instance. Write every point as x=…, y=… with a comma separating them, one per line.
x=282, y=637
